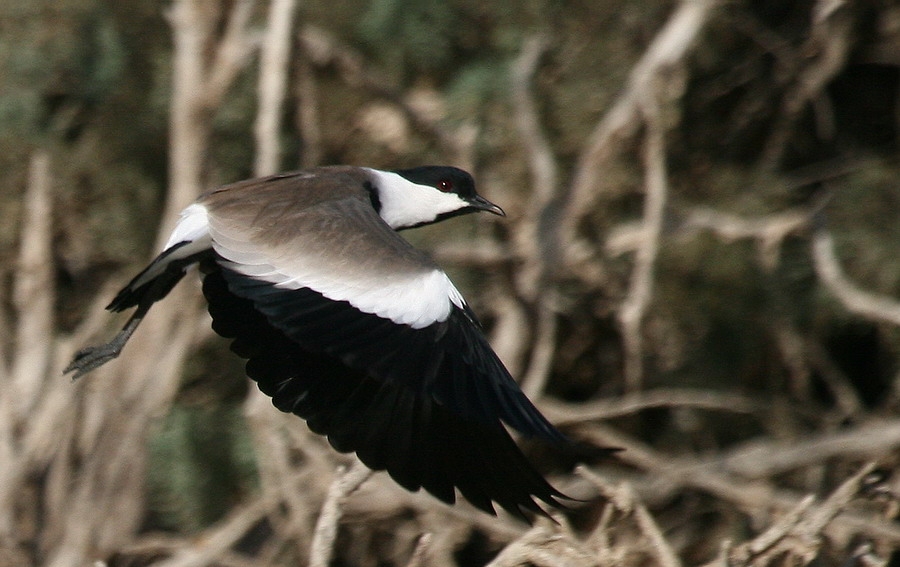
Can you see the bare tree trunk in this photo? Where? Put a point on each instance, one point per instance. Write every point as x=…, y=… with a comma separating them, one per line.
x=33, y=294
x=33, y=298
x=100, y=505
x=272, y=87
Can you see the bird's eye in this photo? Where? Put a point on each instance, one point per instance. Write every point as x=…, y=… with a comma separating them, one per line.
x=445, y=185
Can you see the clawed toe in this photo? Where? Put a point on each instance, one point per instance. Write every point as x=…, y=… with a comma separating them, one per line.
x=90, y=358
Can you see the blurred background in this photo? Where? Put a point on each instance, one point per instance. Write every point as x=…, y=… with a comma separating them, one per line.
x=699, y=265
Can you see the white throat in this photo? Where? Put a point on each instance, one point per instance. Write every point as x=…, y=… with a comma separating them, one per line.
x=405, y=204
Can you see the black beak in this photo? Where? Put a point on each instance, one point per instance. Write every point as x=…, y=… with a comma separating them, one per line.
x=481, y=204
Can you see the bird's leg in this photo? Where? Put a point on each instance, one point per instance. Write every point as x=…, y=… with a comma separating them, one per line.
x=92, y=357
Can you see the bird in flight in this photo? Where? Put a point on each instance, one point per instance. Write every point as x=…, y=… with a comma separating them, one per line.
x=347, y=325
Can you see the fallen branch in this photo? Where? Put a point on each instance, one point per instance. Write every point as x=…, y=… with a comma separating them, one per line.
x=623, y=498
x=325, y=533
x=218, y=541
x=739, y=476
x=543, y=546
x=798, y=533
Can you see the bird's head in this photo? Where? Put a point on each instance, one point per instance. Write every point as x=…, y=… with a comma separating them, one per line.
x=407, y=198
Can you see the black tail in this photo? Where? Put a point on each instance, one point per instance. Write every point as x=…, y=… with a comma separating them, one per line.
x=144, y=285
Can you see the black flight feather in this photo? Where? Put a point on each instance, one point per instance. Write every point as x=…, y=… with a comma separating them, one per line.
x=421, y=441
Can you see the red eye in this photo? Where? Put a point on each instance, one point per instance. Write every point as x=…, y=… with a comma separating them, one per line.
x=445, y=185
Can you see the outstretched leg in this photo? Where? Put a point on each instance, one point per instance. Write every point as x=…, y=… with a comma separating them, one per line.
x=92, y=357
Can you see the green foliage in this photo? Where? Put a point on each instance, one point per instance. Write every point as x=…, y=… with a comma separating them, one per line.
x=233, y=155
x=475, y=86
x=712, y=296
x=53, y=72
x=201, y=464
x=862, y=214
x=419, y=33
x=79, y=80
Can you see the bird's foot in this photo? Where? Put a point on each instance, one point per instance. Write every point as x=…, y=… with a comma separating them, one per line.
x=92, y=357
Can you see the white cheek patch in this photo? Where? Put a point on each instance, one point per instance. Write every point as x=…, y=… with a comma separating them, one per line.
x=404, y=203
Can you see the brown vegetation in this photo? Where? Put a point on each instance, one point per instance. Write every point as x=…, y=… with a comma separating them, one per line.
x=699, y=266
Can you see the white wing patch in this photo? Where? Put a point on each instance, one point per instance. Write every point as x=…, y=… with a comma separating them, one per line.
x=193, y=228
x=417, y=301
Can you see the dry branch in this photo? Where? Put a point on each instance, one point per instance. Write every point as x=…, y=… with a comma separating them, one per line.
x=271, y=89
x=419, y=557
x=33, y=298
x=764, y=459
x=623, y=498
x=307, y=121
x=740, y=476
x=232, y=49
x=770, y=230
x=543, y=546
x=597, y=410
x=288, y=493
x=198, y=88
x=803, y=355
x=541, y=161
x=651, y=88
x=640, y=289
x=511, y=331
x=854, y=299
x=826, y=51
x=33, y=293
x=533, y=243
x=624, y=119
x=218, y=540
x=343, y=485
x=798, y=533
x=544, y=349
